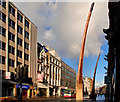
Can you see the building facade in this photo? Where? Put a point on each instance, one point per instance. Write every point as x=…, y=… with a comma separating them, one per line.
x=49, y=70
x=18, y=44
x=113, y=57
x=87, y=85
x=68, y=77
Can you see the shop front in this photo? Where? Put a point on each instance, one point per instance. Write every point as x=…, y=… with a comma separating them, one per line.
x=42, y=89
x=25, y=89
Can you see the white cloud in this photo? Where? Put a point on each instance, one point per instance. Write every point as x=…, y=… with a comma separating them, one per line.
x=49, y=35
x=67, y=22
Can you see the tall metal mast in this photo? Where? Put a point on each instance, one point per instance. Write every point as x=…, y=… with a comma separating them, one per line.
x=79, y=85
x=93, y=81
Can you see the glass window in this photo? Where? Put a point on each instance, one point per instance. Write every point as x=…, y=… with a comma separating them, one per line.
x=26, y=46
x=18, y=63
x=26, y=34
x=20, y=18
x=3, y=3
x=19, y=53
x=2, y=17
x=11, y=62
x=2, y=31
x=11, y=49
x=11, y=23
x=19, y=41
x=2, y=45
x=11, y=37
x=19, y=29
x=11, y=10
x=2, y=59
x=27, y=23
x=26, y=56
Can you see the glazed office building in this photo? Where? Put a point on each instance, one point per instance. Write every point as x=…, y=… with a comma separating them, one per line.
x=18, y=42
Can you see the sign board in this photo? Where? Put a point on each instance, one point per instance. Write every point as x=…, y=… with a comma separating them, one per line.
x=8, y=75
x=107, y=79
x=40, y=77
x=23, y=86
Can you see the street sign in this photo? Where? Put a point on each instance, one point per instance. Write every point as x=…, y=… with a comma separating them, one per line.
x=107, y=79
x=23, y=86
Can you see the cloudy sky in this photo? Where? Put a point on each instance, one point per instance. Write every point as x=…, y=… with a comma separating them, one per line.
x=61, y=26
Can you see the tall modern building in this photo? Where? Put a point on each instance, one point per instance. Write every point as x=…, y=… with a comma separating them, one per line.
x=18, y=46
x=68, y=77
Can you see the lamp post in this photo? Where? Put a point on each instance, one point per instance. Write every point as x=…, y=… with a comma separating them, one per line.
x=79, y=85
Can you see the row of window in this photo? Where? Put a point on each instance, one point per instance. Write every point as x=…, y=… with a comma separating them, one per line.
x=10, y=62
x=12, y=11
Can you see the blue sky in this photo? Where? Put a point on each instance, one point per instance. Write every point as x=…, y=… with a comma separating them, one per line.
x=61, y=26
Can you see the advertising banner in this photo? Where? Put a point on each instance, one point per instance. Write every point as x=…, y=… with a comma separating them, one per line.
x=40, y=77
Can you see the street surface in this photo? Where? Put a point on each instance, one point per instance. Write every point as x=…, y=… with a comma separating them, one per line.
x=99, y=98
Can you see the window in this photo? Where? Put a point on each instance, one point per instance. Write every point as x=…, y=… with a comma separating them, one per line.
x=2, y=17
x=20, y=18
x=26, y=46
x=18, y=63
x=19, y=53
x=26, y=56
x=11, y=10
x=19, y=29
x=3, y=3
x=27, y=23
x=11, y=37
x=11, y=62
x=19, y=41
x=26, y=34
x=2, y=31
x=11, y=23
x=11, y=49
x=2, y=59
x=2, y=45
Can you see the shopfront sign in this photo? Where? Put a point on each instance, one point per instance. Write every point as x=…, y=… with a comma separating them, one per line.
x=23, y=86
x=8, y=75
x=40, y=77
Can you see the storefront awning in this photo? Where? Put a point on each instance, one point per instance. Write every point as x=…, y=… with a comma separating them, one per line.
x=7, y=81
x=40, y=85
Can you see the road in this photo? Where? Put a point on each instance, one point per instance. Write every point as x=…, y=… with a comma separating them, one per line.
x=99, y=98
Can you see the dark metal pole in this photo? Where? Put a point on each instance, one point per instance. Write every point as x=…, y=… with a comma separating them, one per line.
x=21, y=76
